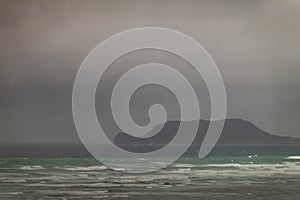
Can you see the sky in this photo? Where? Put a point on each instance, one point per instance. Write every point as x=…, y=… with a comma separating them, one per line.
x=255, y=44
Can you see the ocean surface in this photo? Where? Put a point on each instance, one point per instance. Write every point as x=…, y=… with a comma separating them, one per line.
x=271, y=172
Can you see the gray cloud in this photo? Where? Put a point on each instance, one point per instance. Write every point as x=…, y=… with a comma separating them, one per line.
x=254, y=43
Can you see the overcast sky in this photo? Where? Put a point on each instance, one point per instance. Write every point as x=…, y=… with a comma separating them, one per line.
x=255, y=44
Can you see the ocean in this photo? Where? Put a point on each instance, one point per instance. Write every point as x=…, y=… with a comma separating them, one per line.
x=248, y=172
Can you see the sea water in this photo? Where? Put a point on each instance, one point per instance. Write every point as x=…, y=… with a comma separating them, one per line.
x=229, y=173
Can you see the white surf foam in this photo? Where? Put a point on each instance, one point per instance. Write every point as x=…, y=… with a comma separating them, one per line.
x=32, y=167
x=90, y=168
x=11, y=193
x=294, y=157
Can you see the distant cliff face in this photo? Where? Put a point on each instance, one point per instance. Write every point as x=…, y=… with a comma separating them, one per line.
x=235, y=132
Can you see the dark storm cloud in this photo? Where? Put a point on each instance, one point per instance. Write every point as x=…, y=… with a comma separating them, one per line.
x=254, y=43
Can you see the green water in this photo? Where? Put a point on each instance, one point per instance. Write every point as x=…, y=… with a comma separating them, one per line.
x=245, y=176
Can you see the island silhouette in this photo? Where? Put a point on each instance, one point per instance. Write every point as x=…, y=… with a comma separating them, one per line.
x=235, y=132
